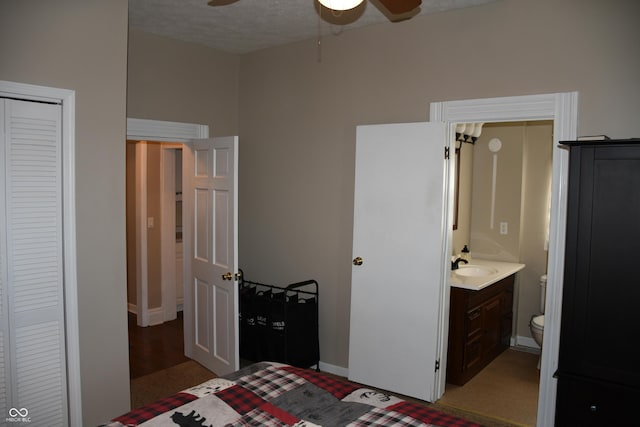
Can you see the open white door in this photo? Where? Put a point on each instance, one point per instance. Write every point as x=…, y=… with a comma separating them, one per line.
x=210, y=236
x=398, y=257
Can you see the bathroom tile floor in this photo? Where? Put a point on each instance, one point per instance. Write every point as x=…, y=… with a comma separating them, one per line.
x=506, y=389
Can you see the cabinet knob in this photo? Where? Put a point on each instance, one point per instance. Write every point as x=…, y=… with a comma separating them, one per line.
x=593, y=408
x=357, y=261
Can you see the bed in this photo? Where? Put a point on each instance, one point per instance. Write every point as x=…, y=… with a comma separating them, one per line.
x=275, y=394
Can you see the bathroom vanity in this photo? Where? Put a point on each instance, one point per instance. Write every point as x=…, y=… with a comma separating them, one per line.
x=480, y=317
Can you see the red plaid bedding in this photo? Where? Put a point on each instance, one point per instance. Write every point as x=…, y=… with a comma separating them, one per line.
x=273, y=394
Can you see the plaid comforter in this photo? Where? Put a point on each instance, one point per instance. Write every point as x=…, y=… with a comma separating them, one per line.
x=273, y=394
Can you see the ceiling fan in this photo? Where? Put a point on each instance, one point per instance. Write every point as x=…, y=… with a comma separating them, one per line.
x=395, y=7
x=394, y=10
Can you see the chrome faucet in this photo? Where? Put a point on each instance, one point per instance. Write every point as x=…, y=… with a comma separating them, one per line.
x=454, y=264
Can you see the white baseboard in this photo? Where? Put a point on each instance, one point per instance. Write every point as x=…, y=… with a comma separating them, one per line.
x=520, y=341
x=333, y=369
x=155, y=316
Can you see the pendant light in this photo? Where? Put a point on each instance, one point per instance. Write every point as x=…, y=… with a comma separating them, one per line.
x=340, y=4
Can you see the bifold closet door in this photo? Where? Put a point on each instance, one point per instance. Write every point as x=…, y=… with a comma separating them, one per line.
x=32, y=341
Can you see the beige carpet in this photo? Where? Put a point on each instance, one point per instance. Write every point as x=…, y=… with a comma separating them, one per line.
x=507, y=389
x=151, y=387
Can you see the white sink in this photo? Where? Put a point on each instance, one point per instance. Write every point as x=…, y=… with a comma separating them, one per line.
x=473, y=270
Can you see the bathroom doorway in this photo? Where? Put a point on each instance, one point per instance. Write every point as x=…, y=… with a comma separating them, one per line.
x=562, y=109
x=508, y=219
x=503, y=214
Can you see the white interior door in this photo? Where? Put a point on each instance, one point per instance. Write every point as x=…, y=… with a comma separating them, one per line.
x=210, y=236
x=398, y=236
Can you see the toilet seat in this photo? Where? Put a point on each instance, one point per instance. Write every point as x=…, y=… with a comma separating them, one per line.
x=538, y=322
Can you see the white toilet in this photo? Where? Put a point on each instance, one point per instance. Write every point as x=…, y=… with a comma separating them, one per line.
x=537, y=322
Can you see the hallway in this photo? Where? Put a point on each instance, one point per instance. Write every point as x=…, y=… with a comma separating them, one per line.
x=155, y=348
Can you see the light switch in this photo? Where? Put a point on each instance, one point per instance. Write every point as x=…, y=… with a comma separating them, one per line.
x=504, y=228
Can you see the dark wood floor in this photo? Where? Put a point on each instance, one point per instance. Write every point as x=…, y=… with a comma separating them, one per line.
x=154, y=348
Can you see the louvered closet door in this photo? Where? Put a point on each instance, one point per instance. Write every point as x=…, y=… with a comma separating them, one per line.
x=33, y=340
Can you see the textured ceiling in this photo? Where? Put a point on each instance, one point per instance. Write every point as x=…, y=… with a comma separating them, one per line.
x=246, y=25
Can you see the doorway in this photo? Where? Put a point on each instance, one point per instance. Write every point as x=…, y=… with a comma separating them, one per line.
x=154, y=235
x=155, y=321
x=210, y=245
x=508, y=219
x=520, y=201
x=166, y=133
x=562, y=109
x=171, y=134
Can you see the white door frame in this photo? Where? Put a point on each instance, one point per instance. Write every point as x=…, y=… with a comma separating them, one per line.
x=67, y=99
x=158, y=131
x=562, y=108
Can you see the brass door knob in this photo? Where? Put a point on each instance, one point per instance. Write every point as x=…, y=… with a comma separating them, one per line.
x=227, y=276
x=357, y=261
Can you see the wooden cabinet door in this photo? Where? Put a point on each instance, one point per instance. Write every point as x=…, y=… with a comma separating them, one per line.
x=492, y=325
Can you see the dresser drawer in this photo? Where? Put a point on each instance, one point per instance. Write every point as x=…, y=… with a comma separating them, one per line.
x=583, y=402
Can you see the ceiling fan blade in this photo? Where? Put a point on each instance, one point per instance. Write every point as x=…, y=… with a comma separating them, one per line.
x=398, y=7
x=220, y=2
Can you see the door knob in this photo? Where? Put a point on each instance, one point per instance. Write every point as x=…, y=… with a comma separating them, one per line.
x=357, y=261
x=227, y=276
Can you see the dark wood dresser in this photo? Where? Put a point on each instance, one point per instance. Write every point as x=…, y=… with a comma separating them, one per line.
x=599, y=361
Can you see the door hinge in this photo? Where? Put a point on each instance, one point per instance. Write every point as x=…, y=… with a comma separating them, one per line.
x=437, y=365
x=446, y=153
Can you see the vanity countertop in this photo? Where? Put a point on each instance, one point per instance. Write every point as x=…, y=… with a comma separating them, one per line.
x=498, y=271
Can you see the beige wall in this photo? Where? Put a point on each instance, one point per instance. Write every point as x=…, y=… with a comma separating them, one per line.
x=537, y=154
x=182, y=82
x=486, y=240
x=81, y=45
x=132, y=256
x=154, y=209
x=523, y=185
x=298, y=117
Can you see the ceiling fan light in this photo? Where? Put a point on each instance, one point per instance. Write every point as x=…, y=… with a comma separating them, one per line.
x=340, y=4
